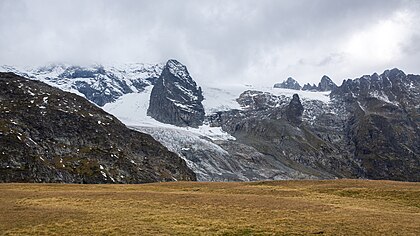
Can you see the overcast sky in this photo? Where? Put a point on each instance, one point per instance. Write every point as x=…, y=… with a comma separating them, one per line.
x=219, y=40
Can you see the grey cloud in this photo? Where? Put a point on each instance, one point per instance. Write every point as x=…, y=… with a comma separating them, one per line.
x=218, y=40
x=333, y=58
x=412, y=46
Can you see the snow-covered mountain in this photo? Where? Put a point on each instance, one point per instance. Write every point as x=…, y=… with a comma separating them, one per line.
x=125, y=92
x=251, y=132
x=98, y=83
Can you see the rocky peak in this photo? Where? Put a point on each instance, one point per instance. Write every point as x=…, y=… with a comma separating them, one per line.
x=176, y=99
x=326, y=84
x=180, y=71
x=393, y=73
x=392, y=86
x=257, y=100
x=290, y=83
x=309, y=87
x=294, y=110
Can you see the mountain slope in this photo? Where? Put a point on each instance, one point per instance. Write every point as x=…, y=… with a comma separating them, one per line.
x=47, y=135
x=369, y=128
x=383, y=123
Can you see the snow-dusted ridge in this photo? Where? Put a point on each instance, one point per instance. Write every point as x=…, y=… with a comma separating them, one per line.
x=130, y=106
x=98, y=83
x=223, y=98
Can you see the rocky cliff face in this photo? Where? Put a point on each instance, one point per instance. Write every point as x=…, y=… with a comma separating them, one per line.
x=309, y=87
x=283, y=132
x=290, y=83
x=47, y=135
x=369, y=129
x=326, y=84
x=383, y=123
x=176, y=98
x=294, y=110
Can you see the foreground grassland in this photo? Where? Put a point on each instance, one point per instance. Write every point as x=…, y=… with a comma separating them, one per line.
x=339, y=207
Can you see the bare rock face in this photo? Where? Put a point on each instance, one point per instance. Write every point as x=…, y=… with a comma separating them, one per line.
x=309, y=87
x=294, y=110
x=383, y=125
x=47, y=135
x=290, y=83
x=369, y=129
x=176, y=98
x=326, y=84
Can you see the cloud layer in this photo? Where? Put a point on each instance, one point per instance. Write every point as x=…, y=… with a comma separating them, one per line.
x=220, y=41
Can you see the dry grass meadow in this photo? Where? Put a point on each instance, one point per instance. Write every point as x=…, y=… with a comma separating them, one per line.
x=338, y=207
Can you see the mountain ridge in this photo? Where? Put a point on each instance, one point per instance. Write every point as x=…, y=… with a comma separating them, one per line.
x=328, y=140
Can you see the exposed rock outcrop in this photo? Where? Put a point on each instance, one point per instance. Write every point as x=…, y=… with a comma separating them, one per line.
x=176, y=98
x=309, y=87
x=290, y=83
x=294, y=110
x=326, y=84
x=383, y=124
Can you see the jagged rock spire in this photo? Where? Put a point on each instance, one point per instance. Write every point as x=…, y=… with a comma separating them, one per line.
x=290, y=83
x=176, y=98
x=294, y=110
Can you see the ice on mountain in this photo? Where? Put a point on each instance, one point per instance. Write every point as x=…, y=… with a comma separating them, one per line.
x=111, y=81
x=382, y=96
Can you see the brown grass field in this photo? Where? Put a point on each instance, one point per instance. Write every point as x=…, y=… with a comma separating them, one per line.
x=338, y=207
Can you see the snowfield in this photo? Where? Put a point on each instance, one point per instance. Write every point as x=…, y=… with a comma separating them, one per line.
x=223, y=98
x=131, y=109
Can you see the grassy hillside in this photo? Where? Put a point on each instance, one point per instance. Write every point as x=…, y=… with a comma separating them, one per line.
x=339, y=207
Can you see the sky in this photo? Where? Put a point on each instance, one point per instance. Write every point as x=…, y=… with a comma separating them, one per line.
x=220, y=41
